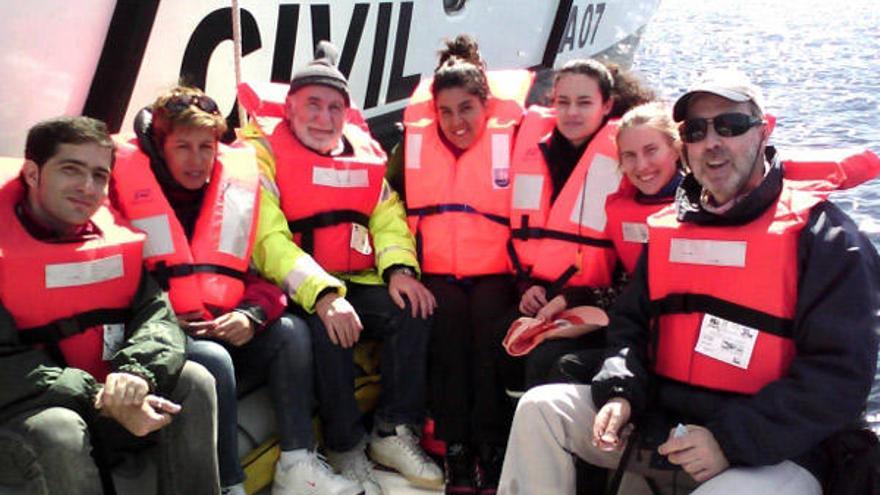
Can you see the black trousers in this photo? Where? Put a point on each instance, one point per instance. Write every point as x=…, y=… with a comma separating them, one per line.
x=466, y=360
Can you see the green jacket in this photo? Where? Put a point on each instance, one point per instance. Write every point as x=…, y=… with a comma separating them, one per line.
x=280, y=260
x=154, y=349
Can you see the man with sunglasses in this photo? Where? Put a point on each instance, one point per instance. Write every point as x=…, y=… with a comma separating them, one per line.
x=334, y=235
x=92, y=361
x=746, y=338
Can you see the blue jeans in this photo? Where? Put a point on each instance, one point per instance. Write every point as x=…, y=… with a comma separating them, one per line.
x=405, y=343
x=280, y=356
x=53, y=447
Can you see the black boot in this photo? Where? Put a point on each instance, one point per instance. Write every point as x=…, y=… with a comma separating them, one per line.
x=489, y=463
x=459, y=466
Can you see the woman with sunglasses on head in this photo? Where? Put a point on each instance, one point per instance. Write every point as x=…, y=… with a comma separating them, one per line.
x=564, y=169
x=197, y=201
x=459, y=132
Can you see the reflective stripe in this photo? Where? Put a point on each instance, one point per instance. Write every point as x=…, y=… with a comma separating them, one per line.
x=303, y=268
x=414, y=150
x=391, y=249
x=385, y=194
x=331, y=177
x=603, y=179
x=500, y=151
x=159, y=241
x=527, y=191
x=235, y=228
x=270, y=186
x=635, y=232
x=708, y=252
x=84, y=273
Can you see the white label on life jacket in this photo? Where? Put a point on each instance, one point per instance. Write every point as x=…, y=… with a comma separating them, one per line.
x=726, y=341
x=360, y=239
x=158, y=231
x=708, y=252
x=635, y=232
x=238, y=214
x=500, y=161
x=527, y=191
x=603, y=179
x=341, y=178
x=114, y=336
x=413, y=157
x=84, y=272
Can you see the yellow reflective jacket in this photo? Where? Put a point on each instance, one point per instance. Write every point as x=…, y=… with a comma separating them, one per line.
x=278, y=258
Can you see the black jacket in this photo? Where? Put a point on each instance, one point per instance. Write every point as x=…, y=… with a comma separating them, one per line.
x=836, y=327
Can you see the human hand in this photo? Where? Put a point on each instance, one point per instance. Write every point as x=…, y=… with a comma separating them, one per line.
x=533, y=300
x=233, y=327
x=193, y=323
x=608, y=427
x=152, y=414
x=697, y=452
x=421, y=300
x=339, y=318
x=122, y=389
x=552, y=308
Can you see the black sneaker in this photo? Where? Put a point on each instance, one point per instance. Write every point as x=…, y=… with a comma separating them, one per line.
x=489, y=463
x=459, y=466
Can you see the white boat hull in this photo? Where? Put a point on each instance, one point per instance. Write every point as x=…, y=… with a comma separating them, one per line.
x=108, y=60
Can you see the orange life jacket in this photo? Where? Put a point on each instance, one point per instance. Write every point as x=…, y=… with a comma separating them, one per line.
x=627, y=223
x=730, y=290
x=205, y=273
x=328, y=200
x=824, y=169
x=68, y=295
x=458, y=208
x=566, y=241
x=839, y=169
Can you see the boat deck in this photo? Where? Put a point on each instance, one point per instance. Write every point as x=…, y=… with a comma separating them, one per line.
x=392, y=484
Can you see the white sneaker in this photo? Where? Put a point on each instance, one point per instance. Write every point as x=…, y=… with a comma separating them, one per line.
x=312, y=476
x=402, y=453
x=354, y=465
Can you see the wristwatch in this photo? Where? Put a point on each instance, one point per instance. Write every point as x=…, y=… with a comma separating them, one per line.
x=405, y=270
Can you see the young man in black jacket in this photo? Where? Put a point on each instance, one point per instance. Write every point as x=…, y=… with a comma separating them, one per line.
x=91, y=358
x=751, y=323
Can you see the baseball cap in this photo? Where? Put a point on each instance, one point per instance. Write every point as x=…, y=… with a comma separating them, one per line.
x=726, y=83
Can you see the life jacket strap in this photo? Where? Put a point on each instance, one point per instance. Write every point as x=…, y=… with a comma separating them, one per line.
x=58, y=330
x=703, y=303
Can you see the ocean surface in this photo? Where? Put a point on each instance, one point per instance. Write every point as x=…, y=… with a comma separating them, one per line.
x=817, y=61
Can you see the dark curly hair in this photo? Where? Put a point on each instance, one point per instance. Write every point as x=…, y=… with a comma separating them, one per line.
x=623, y=86
x=461, y=66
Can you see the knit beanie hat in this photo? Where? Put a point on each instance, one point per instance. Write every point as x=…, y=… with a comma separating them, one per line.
x=322, y=70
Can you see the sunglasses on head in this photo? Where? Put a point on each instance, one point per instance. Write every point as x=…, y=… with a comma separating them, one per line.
x=179, y=103
x=725, y=125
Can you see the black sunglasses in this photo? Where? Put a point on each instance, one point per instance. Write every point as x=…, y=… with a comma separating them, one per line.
x=179, y=103
x=726, y=125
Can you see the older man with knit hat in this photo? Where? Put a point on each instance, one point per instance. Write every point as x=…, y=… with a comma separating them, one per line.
x=746, y=338
x=334, y=236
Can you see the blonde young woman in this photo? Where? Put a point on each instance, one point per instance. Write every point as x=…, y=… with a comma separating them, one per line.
x=648, y=149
